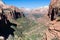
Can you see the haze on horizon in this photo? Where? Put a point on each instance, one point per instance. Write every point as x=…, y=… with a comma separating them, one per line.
x=27, y=3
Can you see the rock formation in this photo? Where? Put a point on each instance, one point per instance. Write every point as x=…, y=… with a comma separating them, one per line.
x=54, y=9
x=10, y=11
x=53, y=31
x=6, y=14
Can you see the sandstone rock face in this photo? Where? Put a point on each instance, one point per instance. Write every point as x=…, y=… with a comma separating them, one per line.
x=53, y=32
x=10, y=11
x=8, y=16
x=54, y=9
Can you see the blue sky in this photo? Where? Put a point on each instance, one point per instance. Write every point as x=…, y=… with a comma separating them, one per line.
x=27, y=3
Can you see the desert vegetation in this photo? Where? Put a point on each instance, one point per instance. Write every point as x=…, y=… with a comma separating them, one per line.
x=28, y=30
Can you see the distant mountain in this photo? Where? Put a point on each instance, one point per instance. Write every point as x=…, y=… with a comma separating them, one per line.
x=42, y=10
x=35, y=13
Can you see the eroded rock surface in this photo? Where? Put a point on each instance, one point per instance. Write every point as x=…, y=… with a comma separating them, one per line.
x=53, y=31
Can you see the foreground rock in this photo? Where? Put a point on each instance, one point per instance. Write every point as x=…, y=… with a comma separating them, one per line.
x=54, y=9
x=53, y=31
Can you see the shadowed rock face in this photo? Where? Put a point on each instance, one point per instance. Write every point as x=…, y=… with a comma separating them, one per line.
x=16, y=13
x=54, y=9
x=5, y=27
x=10, y=13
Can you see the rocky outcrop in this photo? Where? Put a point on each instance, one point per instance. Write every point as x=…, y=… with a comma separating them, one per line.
x=54, y=9
x=53, y=31
x=8, y=14
x=10, y=11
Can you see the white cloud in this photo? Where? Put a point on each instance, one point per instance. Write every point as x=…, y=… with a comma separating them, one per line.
x=44, y=6
x=27, y=9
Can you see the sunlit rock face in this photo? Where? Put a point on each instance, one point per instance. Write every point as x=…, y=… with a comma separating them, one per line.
x=54, y=9
x=3, y=5
x=52, y=4
x=55, y=3
x=10, y=11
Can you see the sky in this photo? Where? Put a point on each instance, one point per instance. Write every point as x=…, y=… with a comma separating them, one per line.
x=27, y=3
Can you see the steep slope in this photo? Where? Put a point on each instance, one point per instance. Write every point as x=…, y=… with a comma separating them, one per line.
x=8, y=18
